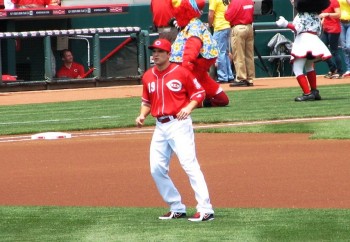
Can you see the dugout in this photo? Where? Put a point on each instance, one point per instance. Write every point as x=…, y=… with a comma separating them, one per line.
x=31, y=41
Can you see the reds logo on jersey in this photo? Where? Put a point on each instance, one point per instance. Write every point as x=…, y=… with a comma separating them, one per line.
x=174, y=85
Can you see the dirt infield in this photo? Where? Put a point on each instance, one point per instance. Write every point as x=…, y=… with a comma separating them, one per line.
x=242, y=170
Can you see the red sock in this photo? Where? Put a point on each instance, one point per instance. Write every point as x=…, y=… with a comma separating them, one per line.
x=303, y=84
x=311, y=76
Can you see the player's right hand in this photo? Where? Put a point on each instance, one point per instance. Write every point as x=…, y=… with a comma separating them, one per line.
x=140, y=121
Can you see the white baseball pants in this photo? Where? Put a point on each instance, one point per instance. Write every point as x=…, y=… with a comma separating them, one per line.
x=178, y=137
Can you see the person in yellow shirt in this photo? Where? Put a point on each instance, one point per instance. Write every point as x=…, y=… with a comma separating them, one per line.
x=221, y=34
x=345, y=33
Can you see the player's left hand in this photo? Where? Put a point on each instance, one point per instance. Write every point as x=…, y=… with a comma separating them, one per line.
x=184, y=113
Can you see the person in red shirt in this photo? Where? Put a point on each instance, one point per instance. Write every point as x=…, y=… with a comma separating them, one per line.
x=162, y=17
x=330, y=36
x=170, y=93
x=70, y=69
x=35, y=3
x=240, y=14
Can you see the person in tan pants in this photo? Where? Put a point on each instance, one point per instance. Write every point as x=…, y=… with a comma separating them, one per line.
x=240, y=15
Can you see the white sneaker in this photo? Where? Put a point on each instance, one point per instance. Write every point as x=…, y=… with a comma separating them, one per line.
x=172, y=215
x=346, y=74
x=199, y=217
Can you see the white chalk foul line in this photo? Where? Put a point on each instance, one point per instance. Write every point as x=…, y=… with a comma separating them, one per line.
x=19, y=138
x=296, y=120
x=57, y=120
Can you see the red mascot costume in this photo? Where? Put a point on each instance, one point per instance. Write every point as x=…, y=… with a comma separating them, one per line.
x=195, y=48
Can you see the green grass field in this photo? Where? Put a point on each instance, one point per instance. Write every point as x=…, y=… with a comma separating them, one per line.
x=141, y=224
x=247, y=105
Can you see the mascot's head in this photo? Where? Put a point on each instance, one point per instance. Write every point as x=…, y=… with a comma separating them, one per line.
x=185, y=10
x=311, y=6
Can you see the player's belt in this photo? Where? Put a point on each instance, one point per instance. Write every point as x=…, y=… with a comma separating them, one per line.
x=165, y=119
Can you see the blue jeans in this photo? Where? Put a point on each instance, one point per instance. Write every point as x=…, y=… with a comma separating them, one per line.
x=332, y=41
x=224, y=71
x=345, y=43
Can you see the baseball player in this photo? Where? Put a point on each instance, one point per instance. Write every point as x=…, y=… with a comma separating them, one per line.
x=170, y=93
x=69, y=68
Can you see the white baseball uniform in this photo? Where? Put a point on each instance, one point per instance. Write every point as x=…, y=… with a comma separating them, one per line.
x=167, y=92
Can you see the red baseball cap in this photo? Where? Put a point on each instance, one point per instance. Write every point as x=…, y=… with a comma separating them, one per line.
x=162, y=44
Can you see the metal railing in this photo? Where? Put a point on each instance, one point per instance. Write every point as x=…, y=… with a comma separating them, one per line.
x=96, y=34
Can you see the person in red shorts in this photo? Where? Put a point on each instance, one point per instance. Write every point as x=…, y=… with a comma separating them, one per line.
x=70, y=69
x=35, y=3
